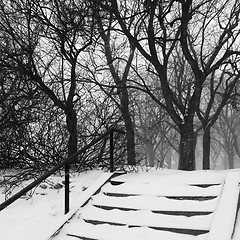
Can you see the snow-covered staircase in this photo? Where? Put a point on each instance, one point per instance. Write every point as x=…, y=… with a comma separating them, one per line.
x=165, y=205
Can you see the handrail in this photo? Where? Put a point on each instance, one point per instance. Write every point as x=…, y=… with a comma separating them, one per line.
x=66, y=162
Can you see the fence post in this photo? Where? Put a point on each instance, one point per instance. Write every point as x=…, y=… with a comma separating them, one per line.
x=111, y=152
x=67, y=188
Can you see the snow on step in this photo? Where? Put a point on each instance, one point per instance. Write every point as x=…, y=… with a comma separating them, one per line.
x=109, y=232
x=83, y=198
x=162, y=189
x=154, y=203
x=153, y=206
x=85, y=231
x=171, y=176
x=146, y=218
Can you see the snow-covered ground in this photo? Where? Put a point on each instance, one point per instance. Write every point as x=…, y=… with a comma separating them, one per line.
x=41, y=215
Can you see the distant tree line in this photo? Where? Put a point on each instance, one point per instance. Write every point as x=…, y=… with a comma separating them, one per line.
x=166, y=72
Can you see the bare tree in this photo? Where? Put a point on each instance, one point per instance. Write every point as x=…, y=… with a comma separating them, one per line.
x=163, y=26
x=219, y=63
x=119, y=67
x=43, y=41
x=18, y=104
x=153, y=129
x=226, y=134
x=32, y=132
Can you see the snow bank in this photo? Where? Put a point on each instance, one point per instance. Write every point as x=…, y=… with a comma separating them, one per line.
x=224, y=218
x=40, y=216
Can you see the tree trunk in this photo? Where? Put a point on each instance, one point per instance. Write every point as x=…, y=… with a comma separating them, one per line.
x=187, y=148
x=230, y=154
x=130, y=135
x=122, y=91
x=235, y=143
x=206, y=148
x=150, y=153
x=130, y=145
x=71, y=117
x=231, y=159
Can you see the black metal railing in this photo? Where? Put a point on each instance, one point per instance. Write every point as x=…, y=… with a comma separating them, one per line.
x=66, y=163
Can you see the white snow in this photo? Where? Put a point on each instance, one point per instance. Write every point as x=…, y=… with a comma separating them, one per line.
x=125, y=233
x=39, y=217
x=163, y=189
x=223, y=221
x=147, y=218
x=174, y=176
x=156, y=203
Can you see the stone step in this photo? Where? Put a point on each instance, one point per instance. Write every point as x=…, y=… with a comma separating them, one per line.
x=141, y=208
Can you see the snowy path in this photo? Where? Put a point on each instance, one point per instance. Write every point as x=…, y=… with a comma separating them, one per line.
x=164, y=205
